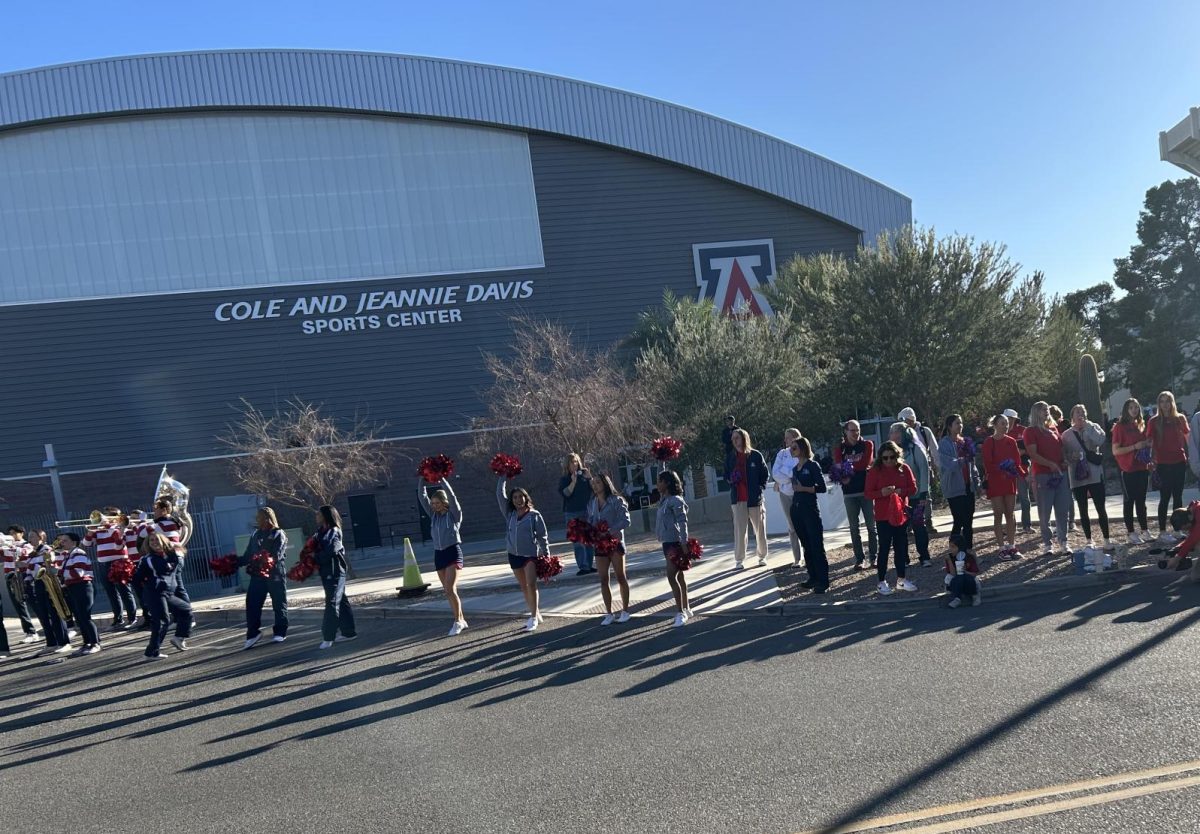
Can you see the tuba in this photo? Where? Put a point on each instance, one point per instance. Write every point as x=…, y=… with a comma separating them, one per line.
x=168, y=487
x=48, y=576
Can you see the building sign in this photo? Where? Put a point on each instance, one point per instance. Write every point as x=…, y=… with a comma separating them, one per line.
x=374, y=310
x=732, y=275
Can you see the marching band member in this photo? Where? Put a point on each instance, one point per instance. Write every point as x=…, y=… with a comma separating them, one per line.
x=445, y=523
x=15, y=553
x=331, y=564
x=158, y=570
x=57, y=641
x=77, y=588
x=109, y=541
x=133, y=523
x=166, y=523
x=270, y=539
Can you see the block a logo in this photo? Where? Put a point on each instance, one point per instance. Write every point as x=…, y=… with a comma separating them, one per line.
x=732, y=275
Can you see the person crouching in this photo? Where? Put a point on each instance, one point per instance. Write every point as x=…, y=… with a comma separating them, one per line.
x=962, y=571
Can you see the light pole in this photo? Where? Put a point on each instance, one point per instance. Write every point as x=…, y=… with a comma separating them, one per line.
x=55, y=484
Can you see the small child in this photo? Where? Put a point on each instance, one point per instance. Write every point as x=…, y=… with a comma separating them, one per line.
x=961, y=572
x=1186, y=520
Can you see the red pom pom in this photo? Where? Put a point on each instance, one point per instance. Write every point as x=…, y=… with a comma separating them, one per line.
x=506, y=466
x=261, y=564
x=548, y=567
x=665, y=448
x=223, y=565
x=120, y=572
x=579, y=531
x=606, y=544
x=682, y=558
x=307, y=565
x=434, y=468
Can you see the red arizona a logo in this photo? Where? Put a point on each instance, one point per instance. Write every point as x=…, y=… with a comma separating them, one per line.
x=732, y=274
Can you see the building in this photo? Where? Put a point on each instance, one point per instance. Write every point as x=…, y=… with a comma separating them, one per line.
x=1181, y=144
x=181, y=231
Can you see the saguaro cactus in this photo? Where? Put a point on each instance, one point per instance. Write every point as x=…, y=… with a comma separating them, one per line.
x=1089, y=388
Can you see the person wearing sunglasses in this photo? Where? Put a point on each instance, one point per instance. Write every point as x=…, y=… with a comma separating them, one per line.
x=890, y=482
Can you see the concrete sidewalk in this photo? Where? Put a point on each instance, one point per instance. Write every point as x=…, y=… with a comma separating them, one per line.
x=714, y=586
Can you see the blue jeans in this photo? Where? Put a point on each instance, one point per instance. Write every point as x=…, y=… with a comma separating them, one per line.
x=163, y=606
x=118, y=595
x=1058, y=499
x=256, y=595
x=338, y=614
x=585, y=556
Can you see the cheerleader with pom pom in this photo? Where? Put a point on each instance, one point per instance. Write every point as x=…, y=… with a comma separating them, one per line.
x=445, y=523
x=330, y=555
x=609, y=509
x=157, y=572
x=672, y=529
x=526, y=540
x=264, y=562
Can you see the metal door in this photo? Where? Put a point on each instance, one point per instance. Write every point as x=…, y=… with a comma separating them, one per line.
x=364, y=521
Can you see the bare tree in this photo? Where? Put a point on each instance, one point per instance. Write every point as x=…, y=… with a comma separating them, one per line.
x=302, y=458
x=553, y=396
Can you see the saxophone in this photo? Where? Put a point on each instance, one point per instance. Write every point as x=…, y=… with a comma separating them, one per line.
x=48, y=576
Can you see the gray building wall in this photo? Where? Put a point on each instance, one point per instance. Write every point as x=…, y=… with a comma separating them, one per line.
x=124, y=381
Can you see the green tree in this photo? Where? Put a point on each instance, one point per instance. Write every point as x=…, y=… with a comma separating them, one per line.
x=705, y=366
x=942, y=324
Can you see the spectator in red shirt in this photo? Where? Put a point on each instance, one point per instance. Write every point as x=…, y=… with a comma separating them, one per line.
x=889, y=484
x=1187, y=521
x=1002, y=481
x=860, y=453
x=1131, y=448
x=1168, y=432
x=1017, y=432
x=1043, y=444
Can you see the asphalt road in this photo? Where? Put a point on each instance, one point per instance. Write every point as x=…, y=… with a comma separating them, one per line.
x=766, y=724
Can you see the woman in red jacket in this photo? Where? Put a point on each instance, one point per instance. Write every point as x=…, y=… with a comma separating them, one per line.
x=1131, y=448
x=889, y=484
x=1003, y=468
x=1168, y=431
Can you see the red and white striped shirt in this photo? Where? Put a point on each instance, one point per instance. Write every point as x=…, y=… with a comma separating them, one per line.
x=77, y=568
x=169, y=526
x=13, y=553
x=109, y=541
x=132, y=533
x=42, y=555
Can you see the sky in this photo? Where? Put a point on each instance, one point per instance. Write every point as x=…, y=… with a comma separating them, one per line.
x=1032, y=124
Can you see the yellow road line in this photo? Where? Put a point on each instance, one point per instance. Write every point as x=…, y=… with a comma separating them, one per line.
x=1010, y=798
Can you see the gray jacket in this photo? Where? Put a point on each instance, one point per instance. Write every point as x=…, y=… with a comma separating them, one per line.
x=443, y=527
x=1093, y=438
x=614, y=513
x=526, y=535
x=671, y=522
x=916, y=456
x=950, y=470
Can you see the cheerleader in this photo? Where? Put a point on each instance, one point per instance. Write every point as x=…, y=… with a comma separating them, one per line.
x=77, y=588
x=672, y=529
x=526, y=540
x=57, y=639
x=1002, y=483
x=268, y=539
x=445, y=523
x=332, y=565
x=607, y=506
x=159, y=568
x=165, y=522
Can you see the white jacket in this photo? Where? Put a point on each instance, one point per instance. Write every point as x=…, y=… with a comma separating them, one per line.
x=782, y=469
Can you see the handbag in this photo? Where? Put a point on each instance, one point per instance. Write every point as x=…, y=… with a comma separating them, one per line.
x=1091, y=457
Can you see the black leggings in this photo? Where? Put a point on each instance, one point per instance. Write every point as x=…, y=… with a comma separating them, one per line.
x=1134, y=484
x=892, y=537
x=1096, y=491
x=1170, y=488
x=962, y=511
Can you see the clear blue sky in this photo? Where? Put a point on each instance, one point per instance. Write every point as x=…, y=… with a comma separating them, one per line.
x=1030, y=123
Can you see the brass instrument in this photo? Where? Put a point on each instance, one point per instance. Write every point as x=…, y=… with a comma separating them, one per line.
x=48, y=576
x=95, y=521
x=16, y=586
x=168, y=487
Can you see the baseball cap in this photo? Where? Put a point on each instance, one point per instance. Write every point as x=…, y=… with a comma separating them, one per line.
x=906, y=414
x=1009, y=413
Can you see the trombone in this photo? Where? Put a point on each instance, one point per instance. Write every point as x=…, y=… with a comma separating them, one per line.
x=94, y=521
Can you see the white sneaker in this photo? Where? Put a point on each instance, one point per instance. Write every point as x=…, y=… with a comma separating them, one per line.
x=1089, y=544
x=30, y=638
x=72, y=634
x=93, y=649
x=62, y=649
x=739, y=565
x=687, y=612
x=608, y=620
x=680, y=619
x=342, y=638
x=905, y=585
x=455, y=629
x=1135, y=538
x=954, y=603
x=531, y=624
x=541, y=619
x=278, y=638
x=326, y=644
x=884, y=588
x=3, y=657
x=179, y=643
x=978, y=595
x=762, y=563
x=623, y=617
x=251, y=642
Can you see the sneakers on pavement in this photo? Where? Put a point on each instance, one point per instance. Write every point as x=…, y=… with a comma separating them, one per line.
x=608, y=620
x=680, y=619
x=531, y=624
x=1166, y=538
x=762, y=563
x=884, y=588
x=1136, y=538
x=30, y=638
x=62, y=649
x=117, y=626
x=179, y=643
x=92, y=649
x=905, y=585
x=326, y=644
x=687, y=612
x=739, y=565
x=457, y=628
x=623, y=617
x=954, y=603
x=251, y=642
x=342, y=638
x=278, y=638
x=159, y=656
x=978, y=600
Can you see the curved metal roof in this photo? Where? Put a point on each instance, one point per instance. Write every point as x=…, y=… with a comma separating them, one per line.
x=443, y=89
